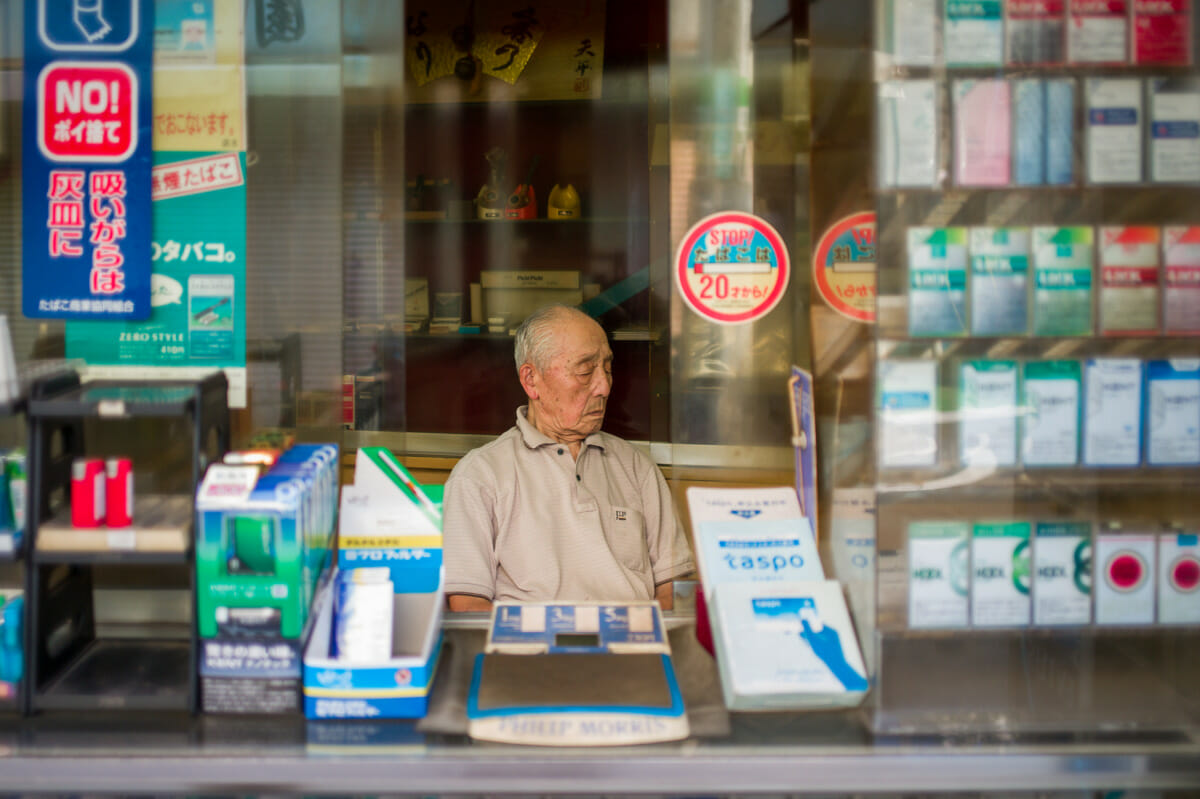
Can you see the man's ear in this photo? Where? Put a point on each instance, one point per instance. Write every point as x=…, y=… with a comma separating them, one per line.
x=529, y=380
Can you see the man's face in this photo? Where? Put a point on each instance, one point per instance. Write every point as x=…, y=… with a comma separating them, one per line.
x=569, y=397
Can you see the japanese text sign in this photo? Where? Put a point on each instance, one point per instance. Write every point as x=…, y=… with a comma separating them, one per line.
x=732, y=268
x=844, y=266
x=86, y=167
x=198, y=300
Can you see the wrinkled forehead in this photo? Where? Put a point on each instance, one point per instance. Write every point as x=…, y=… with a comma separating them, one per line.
x=581, y=340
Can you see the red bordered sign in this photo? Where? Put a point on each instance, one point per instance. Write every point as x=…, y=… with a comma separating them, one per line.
x=844, y=266
x=732, y=268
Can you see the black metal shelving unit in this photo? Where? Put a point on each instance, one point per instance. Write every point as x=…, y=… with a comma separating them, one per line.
x=14, y=554
x=69, y=666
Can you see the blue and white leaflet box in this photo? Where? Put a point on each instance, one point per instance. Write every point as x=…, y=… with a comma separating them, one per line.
x=782, y=632
x=393, y=687
x=787, y=646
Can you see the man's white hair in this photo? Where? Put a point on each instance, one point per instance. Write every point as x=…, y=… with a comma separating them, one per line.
x=535, y=339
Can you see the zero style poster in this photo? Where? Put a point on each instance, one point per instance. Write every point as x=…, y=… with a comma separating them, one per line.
x=198, y=286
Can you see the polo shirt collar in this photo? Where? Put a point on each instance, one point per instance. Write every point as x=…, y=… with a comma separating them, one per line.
x=534, y=438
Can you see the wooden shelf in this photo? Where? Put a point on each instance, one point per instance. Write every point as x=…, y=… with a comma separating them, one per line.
x=163, y=526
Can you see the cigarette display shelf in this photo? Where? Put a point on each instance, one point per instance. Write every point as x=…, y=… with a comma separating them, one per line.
x=975, y=675
x=72, y=662
x=942, y=72
x=568, y=224
x=893, y=344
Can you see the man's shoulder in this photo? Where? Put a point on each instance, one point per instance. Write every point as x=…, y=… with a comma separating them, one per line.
x=489, y=457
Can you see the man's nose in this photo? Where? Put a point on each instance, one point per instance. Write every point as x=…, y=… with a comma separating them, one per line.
x=603, y=383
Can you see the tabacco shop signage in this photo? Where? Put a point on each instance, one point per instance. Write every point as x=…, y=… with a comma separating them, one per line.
x=86, y=163
x=844, y=266
x=732, y=268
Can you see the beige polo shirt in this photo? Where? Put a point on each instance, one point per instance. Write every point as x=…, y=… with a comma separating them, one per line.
x=523, y=521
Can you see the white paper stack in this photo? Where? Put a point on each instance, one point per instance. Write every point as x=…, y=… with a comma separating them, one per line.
x=782, y=632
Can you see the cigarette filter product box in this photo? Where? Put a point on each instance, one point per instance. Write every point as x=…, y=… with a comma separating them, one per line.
x=1000, y=574
x=1162, y=32
x=1181, y=290
x=937, y=281
x=378, y=660
x=1035, y=32
x=1114, y=130
x=1060, y=132
x=988, y=406
x=999, y=284
x=1129, y=280
x=907, y=406
x=1124, y=581
x=1050, y=426
x=973, y=33
x=1098, y=33
x=262, y=541
x=908, y=134
x=1029, y=132
x=938, y=574
x=1112, y=421
x=982, y=132
x=908, y=32
x=1062, y=281
x=1174, y=130
x=1173, y=412
x=1062, y=573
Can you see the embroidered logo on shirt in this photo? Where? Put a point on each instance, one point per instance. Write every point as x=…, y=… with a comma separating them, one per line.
x=621, y=515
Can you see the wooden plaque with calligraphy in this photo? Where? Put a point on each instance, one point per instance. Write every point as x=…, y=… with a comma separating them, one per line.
x=458, y=51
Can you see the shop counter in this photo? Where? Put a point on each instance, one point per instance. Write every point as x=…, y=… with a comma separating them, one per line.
x=824, y=752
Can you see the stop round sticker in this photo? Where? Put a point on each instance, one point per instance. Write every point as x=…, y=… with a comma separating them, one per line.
x=732, y=268
x=844, y=266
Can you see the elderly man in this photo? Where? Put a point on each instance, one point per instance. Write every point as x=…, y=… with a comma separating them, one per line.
x=554, y=508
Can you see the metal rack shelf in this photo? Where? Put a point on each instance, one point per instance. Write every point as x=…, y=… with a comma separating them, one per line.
x=782, y=753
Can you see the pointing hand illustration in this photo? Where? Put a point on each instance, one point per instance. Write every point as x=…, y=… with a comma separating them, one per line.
x=827, y=646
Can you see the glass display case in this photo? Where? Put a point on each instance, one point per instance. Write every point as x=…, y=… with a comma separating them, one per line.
x=1036, y=405
x=1005, y=361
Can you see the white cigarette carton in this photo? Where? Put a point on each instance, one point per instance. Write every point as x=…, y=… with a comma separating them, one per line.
x=938, y=574
x=1179, y=578
x=1062, y=573
x=1124, y=581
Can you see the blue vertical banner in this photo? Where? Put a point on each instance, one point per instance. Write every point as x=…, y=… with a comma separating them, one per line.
x=804, y=441
x=87, y=159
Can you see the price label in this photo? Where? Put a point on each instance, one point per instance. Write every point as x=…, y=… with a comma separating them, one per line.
x=122, y=539
x=111, y=408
